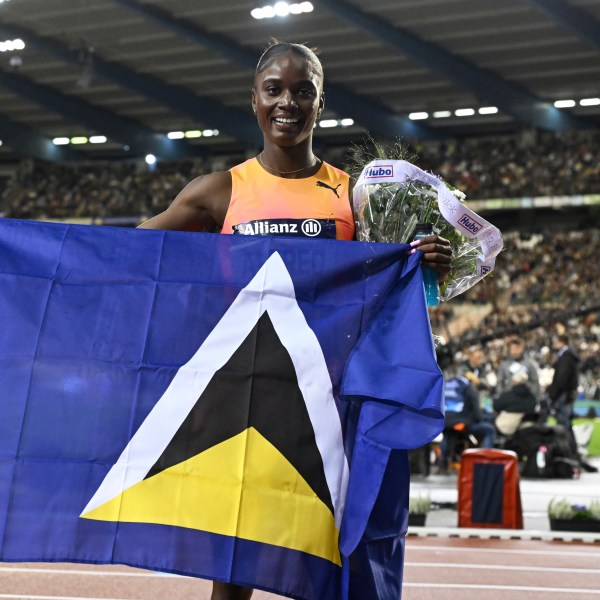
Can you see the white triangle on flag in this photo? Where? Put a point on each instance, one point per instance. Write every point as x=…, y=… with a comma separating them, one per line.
x=270, y=290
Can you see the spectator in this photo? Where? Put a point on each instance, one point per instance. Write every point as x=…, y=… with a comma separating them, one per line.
x=563, y=391
x=515, y=404
x=463, y=416
x=474, y=368
x=516, y=361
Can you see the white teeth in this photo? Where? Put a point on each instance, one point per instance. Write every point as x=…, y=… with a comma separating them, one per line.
x=285, y=121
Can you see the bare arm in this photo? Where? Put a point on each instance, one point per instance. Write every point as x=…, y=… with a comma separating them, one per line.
x=200, y=206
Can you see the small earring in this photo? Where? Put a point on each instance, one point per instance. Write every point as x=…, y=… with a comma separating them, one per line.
x=254, y=110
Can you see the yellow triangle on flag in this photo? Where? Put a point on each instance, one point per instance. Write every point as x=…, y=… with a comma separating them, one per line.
x=242, y=487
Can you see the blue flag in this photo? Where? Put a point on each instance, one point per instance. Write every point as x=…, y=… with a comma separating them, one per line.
x=229, y=407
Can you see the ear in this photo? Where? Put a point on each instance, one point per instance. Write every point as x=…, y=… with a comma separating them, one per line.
x=253, y=100
x=321, y=103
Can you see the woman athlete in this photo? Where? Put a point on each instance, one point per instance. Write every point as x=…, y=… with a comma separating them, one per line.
x=282, y=187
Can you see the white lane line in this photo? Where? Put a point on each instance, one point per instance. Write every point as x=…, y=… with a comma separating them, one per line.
x=563, y=552
x=510, y=588
x=86, y=572
x=502, y=567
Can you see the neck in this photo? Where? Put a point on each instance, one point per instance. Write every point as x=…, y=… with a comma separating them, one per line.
x=292, y=170
x=295, y=160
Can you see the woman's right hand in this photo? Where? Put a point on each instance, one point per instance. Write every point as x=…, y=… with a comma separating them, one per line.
x=437, y=254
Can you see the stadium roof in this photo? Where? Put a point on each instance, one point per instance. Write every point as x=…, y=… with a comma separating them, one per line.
x=134, y=70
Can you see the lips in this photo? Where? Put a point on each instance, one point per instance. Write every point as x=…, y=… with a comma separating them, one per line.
x=285, y=121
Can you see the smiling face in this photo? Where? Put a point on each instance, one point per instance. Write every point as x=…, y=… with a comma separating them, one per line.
x=287, y=97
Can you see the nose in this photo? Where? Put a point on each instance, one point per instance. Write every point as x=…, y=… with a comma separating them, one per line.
x=288, y=100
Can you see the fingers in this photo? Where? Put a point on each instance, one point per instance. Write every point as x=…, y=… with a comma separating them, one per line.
x=433, y=243
x=435, y=250
x=437, y=254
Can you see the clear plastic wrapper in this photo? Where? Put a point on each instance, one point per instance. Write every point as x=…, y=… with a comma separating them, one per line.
x=392, y=196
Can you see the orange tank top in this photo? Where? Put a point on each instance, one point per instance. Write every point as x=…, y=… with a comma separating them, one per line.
x=264, y=204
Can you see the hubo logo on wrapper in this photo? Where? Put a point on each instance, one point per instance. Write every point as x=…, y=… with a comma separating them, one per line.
x=469, y=224
x=485, y=270
x=379, y=171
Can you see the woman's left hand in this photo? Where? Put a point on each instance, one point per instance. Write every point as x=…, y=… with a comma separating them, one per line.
x=437, y=254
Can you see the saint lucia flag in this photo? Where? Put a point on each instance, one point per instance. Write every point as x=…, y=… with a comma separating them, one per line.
x=229, y=407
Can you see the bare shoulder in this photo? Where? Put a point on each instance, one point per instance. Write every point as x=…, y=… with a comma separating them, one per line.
x=210, y=192
x=200, y=206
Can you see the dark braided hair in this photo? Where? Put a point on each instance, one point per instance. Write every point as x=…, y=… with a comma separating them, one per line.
x=275, y=48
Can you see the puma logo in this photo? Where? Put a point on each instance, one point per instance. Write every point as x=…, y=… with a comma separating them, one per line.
x=333, y=189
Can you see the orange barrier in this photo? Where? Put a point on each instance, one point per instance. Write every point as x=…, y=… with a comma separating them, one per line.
x=488, y=489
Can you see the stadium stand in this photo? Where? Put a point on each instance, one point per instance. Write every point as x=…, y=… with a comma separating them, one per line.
x=545, y=279
x=536, y=164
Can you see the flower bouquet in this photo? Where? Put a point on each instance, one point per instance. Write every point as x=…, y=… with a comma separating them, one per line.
x=392, y=196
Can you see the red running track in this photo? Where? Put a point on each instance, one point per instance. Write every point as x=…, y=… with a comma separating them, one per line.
x=436, y=568
x=490, y=569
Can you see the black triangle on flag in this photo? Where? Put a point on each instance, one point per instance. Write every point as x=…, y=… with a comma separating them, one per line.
x=257, y=387
x=246, y=441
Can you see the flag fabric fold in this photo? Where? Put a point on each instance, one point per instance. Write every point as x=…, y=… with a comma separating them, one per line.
x=229, y=407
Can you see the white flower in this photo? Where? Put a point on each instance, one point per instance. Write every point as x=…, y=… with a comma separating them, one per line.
x=460, y=195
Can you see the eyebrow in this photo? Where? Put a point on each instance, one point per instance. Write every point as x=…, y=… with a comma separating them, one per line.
x=279, y=80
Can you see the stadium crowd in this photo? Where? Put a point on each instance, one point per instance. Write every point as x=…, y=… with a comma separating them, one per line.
x=534, y=164
x=543, y=281
x=95, y=190
x=544, y=284
x=540, y=307
x=537, y=164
